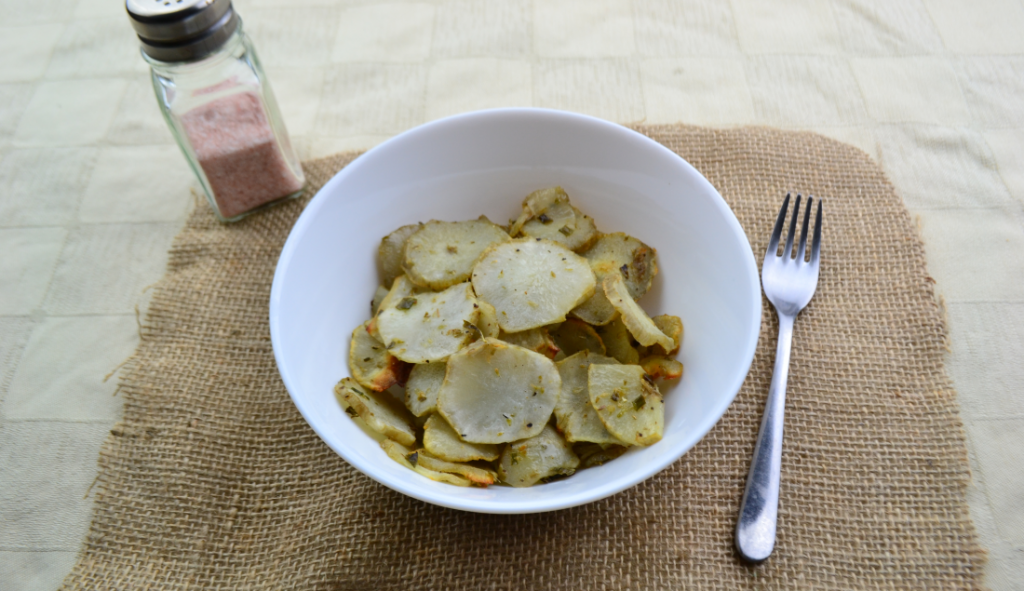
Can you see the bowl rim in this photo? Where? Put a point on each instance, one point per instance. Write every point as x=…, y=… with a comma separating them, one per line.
x=309, y=214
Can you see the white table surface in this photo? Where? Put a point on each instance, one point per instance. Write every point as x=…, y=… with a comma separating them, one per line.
x=92, y=189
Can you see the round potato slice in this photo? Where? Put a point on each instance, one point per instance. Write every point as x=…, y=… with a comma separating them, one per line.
x=574, y=336
x=576, y=417
x=532, y=282
x=494, y=392
x=391, y=252
x=442, y=441
x=630, y=407
x=422, y=387
x=537, y=203
x=371, y=364
x=528, y=461
x=378, y=413
x=636, y=320
x=622, y=254
x=428, y=327
x=564, y=224
x=441, y=254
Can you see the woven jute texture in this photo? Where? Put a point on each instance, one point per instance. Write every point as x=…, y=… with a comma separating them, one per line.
x=214, y=481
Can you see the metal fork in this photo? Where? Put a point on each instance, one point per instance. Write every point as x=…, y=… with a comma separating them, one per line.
x=789, y=284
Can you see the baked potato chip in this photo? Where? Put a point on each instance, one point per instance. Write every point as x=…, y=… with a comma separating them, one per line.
x=536, y=339
x=593, y=454
x=635, y=261
x=576, y=417
x=622, y=254
x=532, y=282
x=636, y=320
x=555, y=216
x=391, y=252
x=442, y=476
x=662, y=368
x=630, y=406
x=672, y=326
x=429, y=326
x=375, y=435
x=397, y=452
x=410, y=459
x=371, y=364
x=478, y=476
x=574, y=335
x=422, y=387
x=564, y=224
x=527, y=461
x=443, y=442
x=401, y=288
x=488, y=320
x=442, y=254
x=618, y=343
x=378, y=413
x=494, y=392
x=537, y=203
x=378, y=297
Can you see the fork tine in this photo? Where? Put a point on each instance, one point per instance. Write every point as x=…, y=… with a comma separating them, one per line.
x=792, y=229
x=773, y=242
x=816, y=245
x=803, y=230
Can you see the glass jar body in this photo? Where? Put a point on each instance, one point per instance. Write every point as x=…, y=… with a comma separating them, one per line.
x=221, y=111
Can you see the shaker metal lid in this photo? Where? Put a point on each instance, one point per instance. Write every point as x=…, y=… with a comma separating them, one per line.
x=181, y=30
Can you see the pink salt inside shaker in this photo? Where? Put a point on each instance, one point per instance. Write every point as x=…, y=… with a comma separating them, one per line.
x=237, y=150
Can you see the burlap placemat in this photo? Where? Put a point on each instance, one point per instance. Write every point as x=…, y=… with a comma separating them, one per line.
x=214, y=481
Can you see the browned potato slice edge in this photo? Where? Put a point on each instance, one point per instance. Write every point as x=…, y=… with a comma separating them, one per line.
x=662, y=368
x=371, y=364
x=378, y=413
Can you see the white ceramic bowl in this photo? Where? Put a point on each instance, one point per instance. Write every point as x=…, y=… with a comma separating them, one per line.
x=485, y=163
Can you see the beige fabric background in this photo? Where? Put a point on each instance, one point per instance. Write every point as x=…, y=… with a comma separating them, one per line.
x=92, y=188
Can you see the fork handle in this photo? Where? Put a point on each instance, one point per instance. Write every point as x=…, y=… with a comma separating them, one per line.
x=755, y=529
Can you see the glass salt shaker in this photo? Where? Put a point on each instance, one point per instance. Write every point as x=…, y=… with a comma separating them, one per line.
x=217, y=101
